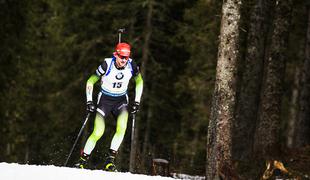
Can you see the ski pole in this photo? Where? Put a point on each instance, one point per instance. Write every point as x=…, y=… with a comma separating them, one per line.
x=120, y=31
x=78, y=136
x=132, y=146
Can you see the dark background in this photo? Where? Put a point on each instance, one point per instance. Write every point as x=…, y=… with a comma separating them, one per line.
x=49, y=48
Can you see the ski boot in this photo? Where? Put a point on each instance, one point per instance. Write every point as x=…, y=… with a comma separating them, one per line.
x=109, y=164
x=82, y=162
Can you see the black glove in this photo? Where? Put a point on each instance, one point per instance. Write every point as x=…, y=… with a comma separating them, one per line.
x=135, y=107
x=90, y=106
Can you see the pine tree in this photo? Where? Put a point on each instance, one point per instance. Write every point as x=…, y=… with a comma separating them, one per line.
x=219, y=145
x=267, y=131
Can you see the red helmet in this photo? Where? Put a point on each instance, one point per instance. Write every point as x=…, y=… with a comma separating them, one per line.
x=123, y=49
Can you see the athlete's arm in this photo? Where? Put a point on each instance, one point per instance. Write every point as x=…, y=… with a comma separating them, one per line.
x=139, y=87
x=93, y=79
x=90, y=86
x=139, y=82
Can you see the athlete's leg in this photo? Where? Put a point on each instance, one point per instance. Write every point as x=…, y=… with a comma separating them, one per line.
x=121, y=126
x=98, y=131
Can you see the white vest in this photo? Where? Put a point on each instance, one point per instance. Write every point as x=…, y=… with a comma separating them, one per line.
x=115, y=81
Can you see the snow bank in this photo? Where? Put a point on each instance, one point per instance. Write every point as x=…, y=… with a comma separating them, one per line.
x=34, y=172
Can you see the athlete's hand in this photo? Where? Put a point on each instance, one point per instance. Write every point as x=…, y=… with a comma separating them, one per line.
x=90, y=106
x=135, y=108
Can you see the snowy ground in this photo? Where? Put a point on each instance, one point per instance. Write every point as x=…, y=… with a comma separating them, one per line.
x=33, y=172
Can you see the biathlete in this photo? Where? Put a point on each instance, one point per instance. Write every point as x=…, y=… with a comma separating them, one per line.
x=115, y=74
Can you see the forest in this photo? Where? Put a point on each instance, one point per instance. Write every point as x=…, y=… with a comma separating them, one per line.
x=226, y=83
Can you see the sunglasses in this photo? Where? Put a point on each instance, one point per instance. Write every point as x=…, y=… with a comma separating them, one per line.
x=123, y=57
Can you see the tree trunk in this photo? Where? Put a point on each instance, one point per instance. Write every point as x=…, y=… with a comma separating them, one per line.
x=149, y=115
x=302, y=134
x=267, y=131
x=251, y=84
x=145, y=59
x=223, y=105
x=293, y=110
x=146, y=142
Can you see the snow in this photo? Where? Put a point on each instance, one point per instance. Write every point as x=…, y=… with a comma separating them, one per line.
x=13, y=171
